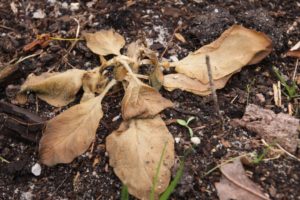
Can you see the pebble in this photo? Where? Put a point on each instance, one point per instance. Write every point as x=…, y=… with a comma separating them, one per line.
x=177, y=140
x=74, y=6
x=36, y=169
x=26, y=196
x=195, y=140
x=39, y=14
x=261, y=97
x=65, y=5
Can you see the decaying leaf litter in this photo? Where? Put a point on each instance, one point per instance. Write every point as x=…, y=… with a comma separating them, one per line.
x=128, y=79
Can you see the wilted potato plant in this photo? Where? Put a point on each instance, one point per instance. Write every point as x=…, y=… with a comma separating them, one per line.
x=136, y=147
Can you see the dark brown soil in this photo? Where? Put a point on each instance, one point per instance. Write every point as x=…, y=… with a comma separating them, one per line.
x=153, y=21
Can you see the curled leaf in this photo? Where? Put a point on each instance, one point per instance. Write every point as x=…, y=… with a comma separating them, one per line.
x=142, y=101
x=134, y=51
x=105, y=42
x=70, y=133
x=134, y=152
x=183, y=82
x=235, y=48
x=156, y=77
x=92, y=82
x=57, y=89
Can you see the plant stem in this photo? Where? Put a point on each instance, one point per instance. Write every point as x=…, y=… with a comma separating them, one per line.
x=107, y=88
x=212, y=87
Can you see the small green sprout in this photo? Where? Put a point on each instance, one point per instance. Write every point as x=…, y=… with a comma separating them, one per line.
x=184, y=123
x=124, y=193
x=3, y=160
x=290, y=88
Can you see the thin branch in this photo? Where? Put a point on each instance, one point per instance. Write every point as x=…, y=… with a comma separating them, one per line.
x=295, y=71
x=212, y=87
x=171, y=39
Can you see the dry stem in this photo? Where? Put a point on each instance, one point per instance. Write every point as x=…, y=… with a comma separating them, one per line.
x=212, y=87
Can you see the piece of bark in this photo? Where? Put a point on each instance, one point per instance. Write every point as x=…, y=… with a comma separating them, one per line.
x=6, y=71
x=279, y=128
x=235, y=184
x=19, y=123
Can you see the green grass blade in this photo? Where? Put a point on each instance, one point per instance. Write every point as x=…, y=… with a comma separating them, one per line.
x=152, y=197
x=174, y=183
x=124, y=193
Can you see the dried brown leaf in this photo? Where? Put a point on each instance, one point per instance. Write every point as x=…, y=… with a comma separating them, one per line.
x=235, y=48
x=57, y=89
x=280, y=128
x=134, y=51
x=70, y=133
x=156, y=77
x=235, y=184
x=92, y=82
x=183, y=82
x=105, y=42
x=142, y=101
x=134, y=152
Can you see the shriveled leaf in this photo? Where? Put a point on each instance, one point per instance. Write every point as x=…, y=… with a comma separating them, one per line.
x=70, y=133
x=92, y=82
x=280, y=128
x=142, y=101
x=235, y=48
x=120, y=73
x=105, y=42
x=183, y=82
x=235, y=184
x=57, y=89
x=156, y=77
x=134, y=152
x=134, y=51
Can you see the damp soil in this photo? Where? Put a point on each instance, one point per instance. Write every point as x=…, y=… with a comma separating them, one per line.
x=201, y=22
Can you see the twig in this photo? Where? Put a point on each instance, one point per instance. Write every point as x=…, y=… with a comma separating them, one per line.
x=12, y=67
x=168, y=44
x=212, y=87
x=295, y=71
x=224, y=163
x=186, y=112
x=288, y=153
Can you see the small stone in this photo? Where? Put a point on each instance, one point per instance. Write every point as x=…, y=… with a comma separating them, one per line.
x=261, y=97
x=177, y=140
x=26, y=196
x=51, y=1
x=39, y=14
x=65, y=5
x=74, y=6
x=195, y=140
x=36, y=169
x=174, y=58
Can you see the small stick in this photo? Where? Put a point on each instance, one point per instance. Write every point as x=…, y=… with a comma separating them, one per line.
x=295, y=71
x=212, y=87
x=171, y=39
